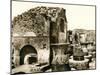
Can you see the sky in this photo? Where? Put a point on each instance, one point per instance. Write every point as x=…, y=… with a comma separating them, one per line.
x=78, y=16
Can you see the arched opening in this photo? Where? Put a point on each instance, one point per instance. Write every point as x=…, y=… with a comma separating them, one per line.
x=61, y=24
x=28, y=49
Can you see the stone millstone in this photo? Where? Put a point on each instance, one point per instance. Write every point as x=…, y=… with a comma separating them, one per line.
x=78, y=54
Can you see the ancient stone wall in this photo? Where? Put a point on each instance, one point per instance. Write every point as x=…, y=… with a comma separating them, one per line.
x=43, y=21
x=41, y=44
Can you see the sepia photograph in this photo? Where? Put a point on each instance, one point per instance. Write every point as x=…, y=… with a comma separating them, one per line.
x=52, y=37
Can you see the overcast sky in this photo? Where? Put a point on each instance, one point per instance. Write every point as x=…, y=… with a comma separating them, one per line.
x=78, y=16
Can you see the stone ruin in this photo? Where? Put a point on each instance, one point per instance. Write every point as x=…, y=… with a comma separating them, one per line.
x=40, y=39
x=83, y=55
x=40, y=34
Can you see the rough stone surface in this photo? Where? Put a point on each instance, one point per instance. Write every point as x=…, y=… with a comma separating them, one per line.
x=36, y=19
x=48, y=24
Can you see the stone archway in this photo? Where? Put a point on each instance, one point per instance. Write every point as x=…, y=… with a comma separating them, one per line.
x=27, y=49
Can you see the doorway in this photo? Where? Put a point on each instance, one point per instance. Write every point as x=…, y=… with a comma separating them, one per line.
x=27, y=49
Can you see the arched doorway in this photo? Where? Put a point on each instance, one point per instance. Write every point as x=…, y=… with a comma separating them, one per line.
x=27, y=49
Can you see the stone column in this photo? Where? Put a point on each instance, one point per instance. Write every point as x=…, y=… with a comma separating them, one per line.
x=60, y=59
